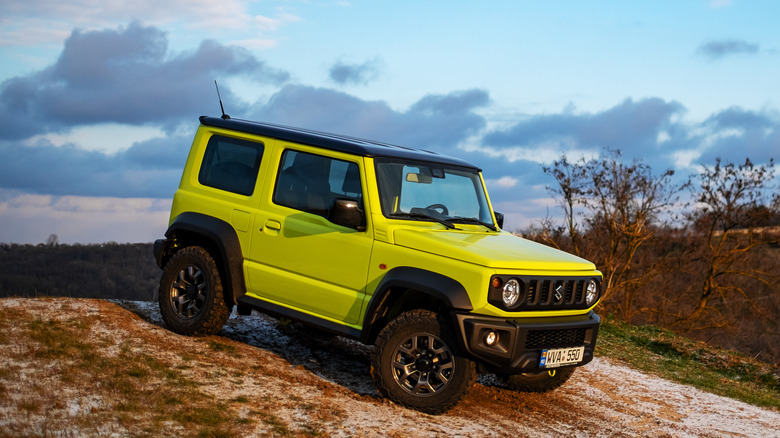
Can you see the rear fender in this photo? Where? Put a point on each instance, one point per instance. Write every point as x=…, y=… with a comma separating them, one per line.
x=218, y=236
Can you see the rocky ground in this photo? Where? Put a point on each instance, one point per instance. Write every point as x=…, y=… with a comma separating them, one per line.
x=115, y=371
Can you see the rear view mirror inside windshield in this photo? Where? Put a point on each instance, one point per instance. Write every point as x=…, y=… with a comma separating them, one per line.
x=419, y=178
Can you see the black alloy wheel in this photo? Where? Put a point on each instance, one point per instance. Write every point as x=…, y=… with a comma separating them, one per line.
x=417, y=363
x=192, y=300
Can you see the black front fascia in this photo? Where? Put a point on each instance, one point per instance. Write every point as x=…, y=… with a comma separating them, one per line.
x=521, y=341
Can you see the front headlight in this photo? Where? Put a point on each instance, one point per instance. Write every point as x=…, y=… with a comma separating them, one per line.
x=591, y=293
x=511, y=292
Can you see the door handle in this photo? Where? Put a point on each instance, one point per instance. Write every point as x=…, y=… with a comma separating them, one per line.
x=273, y=225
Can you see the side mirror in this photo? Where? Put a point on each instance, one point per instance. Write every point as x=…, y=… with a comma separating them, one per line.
x=499, y=219
x=347, y=213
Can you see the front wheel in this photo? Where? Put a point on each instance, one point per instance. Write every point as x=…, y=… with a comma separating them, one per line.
x=538, y=382
x=416, y=363
x=192, y=301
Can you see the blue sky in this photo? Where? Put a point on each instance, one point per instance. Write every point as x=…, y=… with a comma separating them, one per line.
x=99, y=99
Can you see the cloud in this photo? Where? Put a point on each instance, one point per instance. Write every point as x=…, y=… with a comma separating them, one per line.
x=650, y=129
x=631, y=126
x=505, y=182
x=46, y=20
x=127, y=76
x=30, y=218
x=437, y=122
x=152, y=168
x=354, y=74
x=718, y=49
x=735, y=134
x=147, y=169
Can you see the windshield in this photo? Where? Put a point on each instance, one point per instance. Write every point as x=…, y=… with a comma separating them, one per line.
x=425, y=190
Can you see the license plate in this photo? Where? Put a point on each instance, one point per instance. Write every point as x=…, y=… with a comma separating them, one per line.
x=560, y=357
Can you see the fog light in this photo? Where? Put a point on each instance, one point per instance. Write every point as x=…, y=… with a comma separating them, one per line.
x=491, y=338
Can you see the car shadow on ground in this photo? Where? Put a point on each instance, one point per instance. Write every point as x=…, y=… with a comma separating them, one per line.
x=336, y=359
x=333, y=358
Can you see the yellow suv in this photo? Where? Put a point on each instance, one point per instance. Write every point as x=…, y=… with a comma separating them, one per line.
x=396, y=247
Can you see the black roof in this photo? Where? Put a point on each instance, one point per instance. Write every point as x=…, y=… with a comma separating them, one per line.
x=336, y=142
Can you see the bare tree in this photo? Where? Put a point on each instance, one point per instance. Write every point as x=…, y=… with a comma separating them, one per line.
x=619, y=203
x=572, y=182
x=729, y=200
x=52, y=240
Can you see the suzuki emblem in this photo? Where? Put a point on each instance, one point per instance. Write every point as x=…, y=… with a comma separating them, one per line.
x=558, y=292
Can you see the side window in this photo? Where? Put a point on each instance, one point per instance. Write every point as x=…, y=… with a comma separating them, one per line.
x=311, y=182
x=231, y=164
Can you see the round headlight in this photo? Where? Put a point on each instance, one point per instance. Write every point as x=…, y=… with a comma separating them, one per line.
x=511, y=292
x=591, y=293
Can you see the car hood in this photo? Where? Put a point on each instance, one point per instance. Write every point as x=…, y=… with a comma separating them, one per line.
x=494, y=250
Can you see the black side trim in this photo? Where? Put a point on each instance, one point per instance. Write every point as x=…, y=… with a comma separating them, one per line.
x=161, y=250
x=285, y=312
x=225, y=240
x=443, y=288
x=429, y=282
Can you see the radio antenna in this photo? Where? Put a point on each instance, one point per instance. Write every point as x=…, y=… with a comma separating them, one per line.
x=224, y=116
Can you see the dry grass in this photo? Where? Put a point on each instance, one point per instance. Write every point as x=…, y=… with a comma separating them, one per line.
x=99, y=375
x=76, y=368
x=713, y=369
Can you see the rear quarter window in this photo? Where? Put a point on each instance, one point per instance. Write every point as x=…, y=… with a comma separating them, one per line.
x=231, y=164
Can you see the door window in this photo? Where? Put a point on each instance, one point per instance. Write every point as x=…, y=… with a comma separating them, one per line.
x=311, y=183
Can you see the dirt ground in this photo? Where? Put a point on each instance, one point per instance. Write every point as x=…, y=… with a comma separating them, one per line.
x=286, y=380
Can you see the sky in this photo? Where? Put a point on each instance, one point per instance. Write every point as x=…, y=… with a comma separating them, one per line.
x=99, y=100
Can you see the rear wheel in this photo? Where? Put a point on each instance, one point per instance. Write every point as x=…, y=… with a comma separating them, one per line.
x=417, y=363
x=192, y=300
x=538, y=382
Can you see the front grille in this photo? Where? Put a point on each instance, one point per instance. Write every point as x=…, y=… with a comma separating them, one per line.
x=545, y=339
x=541, y=292
x=544, y=293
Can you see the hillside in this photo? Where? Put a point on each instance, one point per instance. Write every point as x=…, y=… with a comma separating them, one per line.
x=85, y=367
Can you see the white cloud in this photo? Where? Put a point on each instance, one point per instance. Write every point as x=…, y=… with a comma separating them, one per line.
x=505, y=182
x=685, y=159
x=28, y=218
x=29, y=23
x=105, y=137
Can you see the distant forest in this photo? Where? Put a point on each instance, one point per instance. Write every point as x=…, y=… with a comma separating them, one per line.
x=108, y=271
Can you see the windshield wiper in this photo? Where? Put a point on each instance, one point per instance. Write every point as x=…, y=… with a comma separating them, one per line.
x=471, y=220
x=446, y=223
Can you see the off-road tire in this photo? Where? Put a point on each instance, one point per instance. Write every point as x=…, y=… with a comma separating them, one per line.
x=538, y=382
x=436, y=374
x=192, y=300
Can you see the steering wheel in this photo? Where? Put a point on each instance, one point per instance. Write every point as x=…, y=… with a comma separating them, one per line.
x=436, y=207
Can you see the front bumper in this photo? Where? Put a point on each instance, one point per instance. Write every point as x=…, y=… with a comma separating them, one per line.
x=521, y=341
